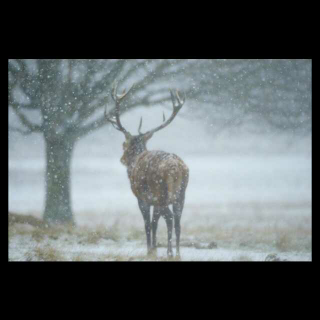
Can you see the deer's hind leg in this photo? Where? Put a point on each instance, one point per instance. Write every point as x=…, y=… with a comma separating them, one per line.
x=155, y=219
x=177, y=207
x=168, y=216
x=145, y=210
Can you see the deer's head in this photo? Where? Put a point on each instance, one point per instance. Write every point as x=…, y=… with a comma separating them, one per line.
x=136, y=144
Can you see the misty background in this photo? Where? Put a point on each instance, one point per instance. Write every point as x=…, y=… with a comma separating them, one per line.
x=244, y=132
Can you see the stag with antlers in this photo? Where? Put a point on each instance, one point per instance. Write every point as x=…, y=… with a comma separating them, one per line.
x=157, y=178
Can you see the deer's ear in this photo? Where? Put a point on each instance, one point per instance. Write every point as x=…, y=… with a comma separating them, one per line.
x=147, y=136
x=128, y=135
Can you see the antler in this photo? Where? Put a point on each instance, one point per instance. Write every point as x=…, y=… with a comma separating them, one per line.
x=117, y=99
x=177, y=103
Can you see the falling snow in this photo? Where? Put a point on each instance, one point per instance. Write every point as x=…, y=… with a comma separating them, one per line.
x=244, y=132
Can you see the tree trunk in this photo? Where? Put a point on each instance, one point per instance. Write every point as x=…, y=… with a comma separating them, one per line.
x=58, y=163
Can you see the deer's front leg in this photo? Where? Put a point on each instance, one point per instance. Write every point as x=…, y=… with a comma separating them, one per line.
x=145, y=210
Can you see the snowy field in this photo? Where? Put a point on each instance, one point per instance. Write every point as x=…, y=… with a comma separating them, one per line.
x=229, y=201
x=250, y=204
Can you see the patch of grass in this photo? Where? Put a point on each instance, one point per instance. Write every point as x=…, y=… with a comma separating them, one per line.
x=251, y=235
x=53, y=232
x=119, y=257
x=136, y=234
x=38, y=235
x=82, y=235
x=14, y=218
x=114, y=257
x=94, y=236
x=29, y=255
x=47, y=254
x=79, y=257
x=242, y=257
x=11, y=232
x=18, y=229
x=283, y=242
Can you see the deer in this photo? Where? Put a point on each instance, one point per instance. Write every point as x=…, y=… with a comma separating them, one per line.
x=157, y=178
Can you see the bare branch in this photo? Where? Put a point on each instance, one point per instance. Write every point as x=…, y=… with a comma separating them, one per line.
x=23, y=132
x=24, y=120
x=95, y=125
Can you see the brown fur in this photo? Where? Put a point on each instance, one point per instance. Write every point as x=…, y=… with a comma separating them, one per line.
x=157, y=177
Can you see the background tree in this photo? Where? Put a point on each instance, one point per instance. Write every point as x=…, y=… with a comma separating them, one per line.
x=266, y=94
x=64, y=101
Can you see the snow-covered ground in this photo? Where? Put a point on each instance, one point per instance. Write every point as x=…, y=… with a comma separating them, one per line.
x=25, y=248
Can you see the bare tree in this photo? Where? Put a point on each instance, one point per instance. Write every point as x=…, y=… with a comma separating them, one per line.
x=70, y=96
x=269, y=94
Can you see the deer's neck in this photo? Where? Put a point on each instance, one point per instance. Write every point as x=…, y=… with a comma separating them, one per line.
x=133, y=160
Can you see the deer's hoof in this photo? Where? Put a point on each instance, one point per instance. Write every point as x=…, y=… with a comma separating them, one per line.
x=170, y=254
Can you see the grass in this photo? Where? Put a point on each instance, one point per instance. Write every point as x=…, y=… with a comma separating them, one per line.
x=242, y=258
x=118, y=257
x=14, y=218
x=46, y=254
x=288, y=238
x=47, y=243
x=85, y=235
x=94, y=236
x=79, y=257
x=136, y=234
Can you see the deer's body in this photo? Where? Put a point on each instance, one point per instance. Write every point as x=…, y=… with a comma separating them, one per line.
x=157, y=178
